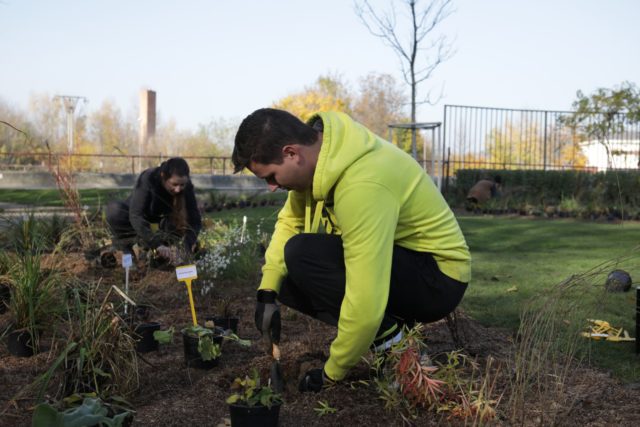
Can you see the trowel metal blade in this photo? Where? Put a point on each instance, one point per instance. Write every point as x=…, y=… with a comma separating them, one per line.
x=277, y=381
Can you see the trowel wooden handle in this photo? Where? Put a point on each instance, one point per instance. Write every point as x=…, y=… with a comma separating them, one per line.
x=275, y=351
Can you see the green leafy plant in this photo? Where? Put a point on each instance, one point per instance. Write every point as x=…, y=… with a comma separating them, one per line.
x=206, y=347
x=248, y=391
x=164, y=337
x=324, y=408
x=92, y=412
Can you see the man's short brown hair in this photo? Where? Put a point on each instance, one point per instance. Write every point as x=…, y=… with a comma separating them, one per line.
x=263, y=133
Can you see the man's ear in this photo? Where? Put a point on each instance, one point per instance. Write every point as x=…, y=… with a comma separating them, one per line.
x=290, y=151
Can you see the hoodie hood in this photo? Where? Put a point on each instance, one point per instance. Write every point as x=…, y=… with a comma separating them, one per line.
x=344, y=141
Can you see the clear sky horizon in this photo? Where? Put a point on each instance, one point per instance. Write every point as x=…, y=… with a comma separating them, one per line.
x=223, y=59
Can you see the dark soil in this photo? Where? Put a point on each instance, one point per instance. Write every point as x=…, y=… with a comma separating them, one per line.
x=172, y=395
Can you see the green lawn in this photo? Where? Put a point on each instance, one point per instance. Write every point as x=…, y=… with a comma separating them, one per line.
x=51, y=197
x=533, y=255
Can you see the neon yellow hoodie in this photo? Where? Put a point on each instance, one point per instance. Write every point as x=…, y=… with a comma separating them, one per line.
x=375, y=195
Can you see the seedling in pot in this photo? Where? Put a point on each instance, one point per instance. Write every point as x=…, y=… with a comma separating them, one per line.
x=206, y=347
x=253, y=404
x=202, y=346
x=249, y=391
x=224, y=318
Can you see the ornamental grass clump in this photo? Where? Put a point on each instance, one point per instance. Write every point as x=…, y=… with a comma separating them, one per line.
x=457, y=388
x=35, y=293
x=99, y=354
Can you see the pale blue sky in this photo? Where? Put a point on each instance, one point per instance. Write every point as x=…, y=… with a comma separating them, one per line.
x=225, y=58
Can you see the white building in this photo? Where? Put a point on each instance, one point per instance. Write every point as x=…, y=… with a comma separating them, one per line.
x=625, y=154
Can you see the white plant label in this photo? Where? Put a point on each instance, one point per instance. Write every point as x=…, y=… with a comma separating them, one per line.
x=127, y=260
x=187, y=272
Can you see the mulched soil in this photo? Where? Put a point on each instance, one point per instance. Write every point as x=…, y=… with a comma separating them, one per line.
x=171, y=394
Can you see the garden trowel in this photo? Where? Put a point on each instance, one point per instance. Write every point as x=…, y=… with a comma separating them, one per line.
x=277, y=381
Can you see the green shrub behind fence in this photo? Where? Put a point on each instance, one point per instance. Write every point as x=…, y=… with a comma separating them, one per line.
x=595, y=192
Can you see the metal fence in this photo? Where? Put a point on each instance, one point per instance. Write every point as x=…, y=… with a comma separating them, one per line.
x=108, y=163
x=500, y=138
x=469, y=138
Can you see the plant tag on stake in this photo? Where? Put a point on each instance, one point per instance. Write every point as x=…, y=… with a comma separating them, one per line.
x=127, y=260
x=244, y=228
x=186, y=272
x=126, y=263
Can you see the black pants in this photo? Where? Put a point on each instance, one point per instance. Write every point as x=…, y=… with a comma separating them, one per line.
x=315, y=285
x=124, y=235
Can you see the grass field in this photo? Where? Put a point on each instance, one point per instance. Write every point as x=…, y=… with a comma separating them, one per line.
x=51, y=197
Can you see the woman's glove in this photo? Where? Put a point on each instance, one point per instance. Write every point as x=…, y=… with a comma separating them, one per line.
x=164, y=252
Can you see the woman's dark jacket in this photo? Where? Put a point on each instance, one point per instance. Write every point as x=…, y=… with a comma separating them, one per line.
x=150, y=203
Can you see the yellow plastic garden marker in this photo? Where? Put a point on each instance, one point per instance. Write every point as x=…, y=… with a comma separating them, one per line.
x=186, y=274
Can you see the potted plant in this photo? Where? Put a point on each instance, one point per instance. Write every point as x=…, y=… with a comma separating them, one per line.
x=224, y=317
x=137, y=318
x=202, y=346
x=33, y=302
x=145, y=336
x=253, y=404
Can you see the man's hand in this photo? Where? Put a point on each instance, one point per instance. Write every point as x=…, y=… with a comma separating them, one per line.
x=164, y=251
x=268, y=317
x=314, y=380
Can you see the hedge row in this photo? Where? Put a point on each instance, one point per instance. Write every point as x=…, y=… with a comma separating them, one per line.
x=594, y=192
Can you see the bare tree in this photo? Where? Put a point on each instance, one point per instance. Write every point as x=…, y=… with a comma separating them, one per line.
x=419, y=49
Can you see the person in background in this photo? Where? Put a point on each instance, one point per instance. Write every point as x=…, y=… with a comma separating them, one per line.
x=365, y=241
x=160, y=212
x=482, y=191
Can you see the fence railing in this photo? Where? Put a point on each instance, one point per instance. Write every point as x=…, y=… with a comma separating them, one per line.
x=109, y=163
x=500, y=138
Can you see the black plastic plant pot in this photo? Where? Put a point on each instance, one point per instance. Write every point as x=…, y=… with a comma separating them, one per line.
x=137, y=314
x=192, y=356
x=5, y=297
x=142, y=312
x=146, y=343
x=225, y=323
x=254, y=416
x=19, y=344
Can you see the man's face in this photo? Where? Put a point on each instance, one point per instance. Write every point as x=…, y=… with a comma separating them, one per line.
x=288, y=175
x=176, y=184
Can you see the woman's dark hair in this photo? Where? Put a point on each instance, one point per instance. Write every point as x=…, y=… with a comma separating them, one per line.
x=174, y=166
x=179, y=167
x=263, y=133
